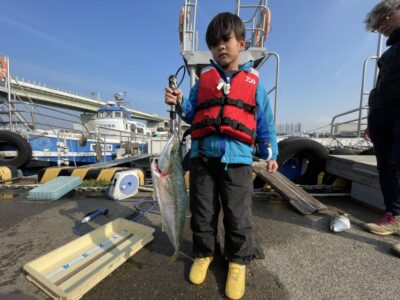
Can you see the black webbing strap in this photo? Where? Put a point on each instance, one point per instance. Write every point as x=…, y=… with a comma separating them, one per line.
x=205, y=123
x=239, y=126
x=232, y=123
x=240, y=104
x=225, y=100
x=211, y=102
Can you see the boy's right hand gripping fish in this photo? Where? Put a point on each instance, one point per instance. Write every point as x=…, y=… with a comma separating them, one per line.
x=170, y=191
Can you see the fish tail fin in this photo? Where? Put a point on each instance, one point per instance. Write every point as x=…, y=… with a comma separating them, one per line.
x=173, y=259
x=178, y=254
x=183, y=254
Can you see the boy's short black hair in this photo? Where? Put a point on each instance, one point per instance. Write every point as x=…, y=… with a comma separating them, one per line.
x=221, y=28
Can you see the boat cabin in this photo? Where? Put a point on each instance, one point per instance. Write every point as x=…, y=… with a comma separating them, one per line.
x=114, y=118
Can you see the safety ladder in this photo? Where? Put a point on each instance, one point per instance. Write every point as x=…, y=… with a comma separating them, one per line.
x=62, y=149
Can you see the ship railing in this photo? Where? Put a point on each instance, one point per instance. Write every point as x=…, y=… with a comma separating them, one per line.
x=12, y=114
x=258, y=22
x=155, y=144
x=362, y=109
x=254, y=16
x=28, y=116
x=46, y=118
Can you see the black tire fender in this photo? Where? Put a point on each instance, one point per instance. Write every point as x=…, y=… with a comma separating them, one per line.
x=304, y=148
x=343, y=151
x=369, y=151
x=22, y=145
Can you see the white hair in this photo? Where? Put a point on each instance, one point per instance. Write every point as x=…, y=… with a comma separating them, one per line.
x=383, y=8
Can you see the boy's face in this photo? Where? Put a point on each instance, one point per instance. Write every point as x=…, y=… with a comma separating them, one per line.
x=226, y=53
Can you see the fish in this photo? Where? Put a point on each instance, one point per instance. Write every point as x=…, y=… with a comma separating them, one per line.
x=170, y=191
x=340, y=223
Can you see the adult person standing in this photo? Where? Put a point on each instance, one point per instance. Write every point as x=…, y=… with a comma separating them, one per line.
x=384, y=115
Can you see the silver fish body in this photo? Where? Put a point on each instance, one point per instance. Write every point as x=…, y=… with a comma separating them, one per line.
x=340, y=223
x=170, y=191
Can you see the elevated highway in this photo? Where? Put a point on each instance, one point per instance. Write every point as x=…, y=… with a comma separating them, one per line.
x=31, y=92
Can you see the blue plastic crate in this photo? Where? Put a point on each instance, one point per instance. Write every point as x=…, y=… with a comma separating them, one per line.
x=55, y=188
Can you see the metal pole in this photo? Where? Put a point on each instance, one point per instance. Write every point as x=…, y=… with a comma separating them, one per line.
x=192, y=75
x=9, y=93
x=277, y=73
x=237, y=9
x=277, y=86
x=362, y=94
x=194, y=42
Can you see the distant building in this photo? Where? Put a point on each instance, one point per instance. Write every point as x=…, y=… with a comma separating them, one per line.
x=288, y=128
x=349, y=129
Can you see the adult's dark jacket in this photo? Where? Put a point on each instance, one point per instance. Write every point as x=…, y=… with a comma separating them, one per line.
x=387, y=90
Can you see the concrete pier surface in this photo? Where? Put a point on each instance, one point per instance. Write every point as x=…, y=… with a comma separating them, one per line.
x=304, y=259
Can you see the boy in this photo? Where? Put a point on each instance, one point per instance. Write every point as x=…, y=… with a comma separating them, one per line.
x=229, y=112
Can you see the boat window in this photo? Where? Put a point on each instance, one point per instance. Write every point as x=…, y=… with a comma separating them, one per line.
x=108, y=114
x=117, y=114
x=139, y=130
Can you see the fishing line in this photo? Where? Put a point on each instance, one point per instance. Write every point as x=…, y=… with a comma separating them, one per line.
x=183, y=67
x=142, y=211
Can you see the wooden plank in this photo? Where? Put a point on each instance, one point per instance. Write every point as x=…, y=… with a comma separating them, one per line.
x=367, y=194
x=299, y=199
x=357, y=168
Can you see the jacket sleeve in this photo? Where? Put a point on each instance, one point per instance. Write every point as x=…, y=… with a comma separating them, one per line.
x=188, y=106
x=265, y=124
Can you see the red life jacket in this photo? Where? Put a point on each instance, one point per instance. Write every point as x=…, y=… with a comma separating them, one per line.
x=231, y=112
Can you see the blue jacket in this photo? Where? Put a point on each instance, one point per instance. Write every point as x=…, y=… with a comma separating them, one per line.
x=228, y=148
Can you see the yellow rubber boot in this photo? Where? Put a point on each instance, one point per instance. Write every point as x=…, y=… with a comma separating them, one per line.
x=199, y=268
x=236, y=281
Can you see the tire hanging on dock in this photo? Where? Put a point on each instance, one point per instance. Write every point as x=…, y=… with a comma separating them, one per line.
x=311, y=154
x=343, y=151
x=11, y=141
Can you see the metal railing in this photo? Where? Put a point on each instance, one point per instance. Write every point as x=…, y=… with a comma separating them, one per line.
x=275, y=87
x=362, y=107
x=256, y=24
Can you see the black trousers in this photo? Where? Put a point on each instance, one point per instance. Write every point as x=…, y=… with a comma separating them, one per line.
x=384, y=130
x=213, y=184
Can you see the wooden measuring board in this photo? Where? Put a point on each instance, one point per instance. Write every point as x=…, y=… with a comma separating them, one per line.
x=73, y=269
x=302, y=201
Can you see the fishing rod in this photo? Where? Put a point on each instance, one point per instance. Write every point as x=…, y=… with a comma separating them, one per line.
x=173, y=84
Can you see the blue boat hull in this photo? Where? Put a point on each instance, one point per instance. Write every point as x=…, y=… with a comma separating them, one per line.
x=44, y=148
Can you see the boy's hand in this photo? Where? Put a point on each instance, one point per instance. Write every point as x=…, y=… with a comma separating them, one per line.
x=173, y=97
x=272, y=166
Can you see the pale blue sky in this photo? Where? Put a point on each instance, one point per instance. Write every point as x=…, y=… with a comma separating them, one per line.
x=121, y=45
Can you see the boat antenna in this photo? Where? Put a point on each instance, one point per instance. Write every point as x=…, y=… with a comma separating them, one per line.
x=119, y=97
